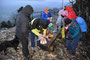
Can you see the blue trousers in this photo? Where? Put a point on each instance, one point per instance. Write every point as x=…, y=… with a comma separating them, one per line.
x=33, y=40
x=72, y=44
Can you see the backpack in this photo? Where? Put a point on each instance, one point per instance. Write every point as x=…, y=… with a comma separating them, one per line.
x=82, y=24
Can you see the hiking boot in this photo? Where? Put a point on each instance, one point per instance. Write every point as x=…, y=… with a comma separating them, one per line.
x=32, y=53
x=67, y=49
x=38, y=48
x=73, y=54
x=28, y=58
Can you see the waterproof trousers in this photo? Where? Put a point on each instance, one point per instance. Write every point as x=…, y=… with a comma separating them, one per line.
x=24, y=42
x=72, y=44
x=33, y=40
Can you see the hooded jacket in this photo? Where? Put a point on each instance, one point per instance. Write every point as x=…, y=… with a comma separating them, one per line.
x=71, y=13
x=39, y=25
x=74, y=30
x=45, y=15
x=22, y=22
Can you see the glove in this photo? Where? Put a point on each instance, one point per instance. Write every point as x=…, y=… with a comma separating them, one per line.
x=40, y=35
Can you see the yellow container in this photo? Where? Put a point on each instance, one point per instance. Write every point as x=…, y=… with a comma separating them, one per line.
x=63, y=32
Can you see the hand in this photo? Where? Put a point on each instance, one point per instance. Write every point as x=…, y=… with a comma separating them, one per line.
x=40, y=35
x=62, y=16
x=44, y=35
x=51, y=18
x=48, y=18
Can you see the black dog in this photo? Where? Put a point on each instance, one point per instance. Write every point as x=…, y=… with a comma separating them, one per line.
x=13, y=43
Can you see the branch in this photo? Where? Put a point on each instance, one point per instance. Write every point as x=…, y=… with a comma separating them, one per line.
x=71, y=1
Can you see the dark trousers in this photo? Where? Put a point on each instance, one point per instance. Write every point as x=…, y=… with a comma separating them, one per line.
x=72, y=44
x=24, y=42
x=33, y=40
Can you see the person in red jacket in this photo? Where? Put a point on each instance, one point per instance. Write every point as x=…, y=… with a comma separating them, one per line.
x=71, y=13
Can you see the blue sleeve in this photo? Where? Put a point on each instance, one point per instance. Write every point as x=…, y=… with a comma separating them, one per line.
x=50, y=14
x=43, y=16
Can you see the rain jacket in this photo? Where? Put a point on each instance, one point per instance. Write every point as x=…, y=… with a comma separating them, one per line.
x=22, y=22
x=37, y=24
x=71, y=13
x=74, y=30
x=45, y=15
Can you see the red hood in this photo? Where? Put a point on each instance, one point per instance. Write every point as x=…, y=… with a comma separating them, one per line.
x=68, y=8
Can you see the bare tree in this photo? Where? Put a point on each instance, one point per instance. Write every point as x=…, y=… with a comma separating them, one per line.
x=71, y=1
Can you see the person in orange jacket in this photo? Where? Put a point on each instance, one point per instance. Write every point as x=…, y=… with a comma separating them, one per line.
x=71, y=13
x=46, y=15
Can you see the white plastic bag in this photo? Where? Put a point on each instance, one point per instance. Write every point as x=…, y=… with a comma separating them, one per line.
x=42, y=40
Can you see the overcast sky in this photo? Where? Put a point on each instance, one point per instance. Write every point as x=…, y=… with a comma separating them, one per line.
x=34, y=3
x=9, y=7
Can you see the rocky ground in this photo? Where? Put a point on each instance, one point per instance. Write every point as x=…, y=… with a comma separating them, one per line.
x=60, y=51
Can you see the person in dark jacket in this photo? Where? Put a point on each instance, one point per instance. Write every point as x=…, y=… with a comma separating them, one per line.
x=22, y=27
x=39, y=27
x=75, y=34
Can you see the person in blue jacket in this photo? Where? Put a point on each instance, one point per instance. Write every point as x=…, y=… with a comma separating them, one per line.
x=46, y=15
x=74, y=36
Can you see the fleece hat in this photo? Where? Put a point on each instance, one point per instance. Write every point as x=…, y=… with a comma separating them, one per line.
x=43, y=23
x=28, y=10
x=45, y=10
x=67, y=21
